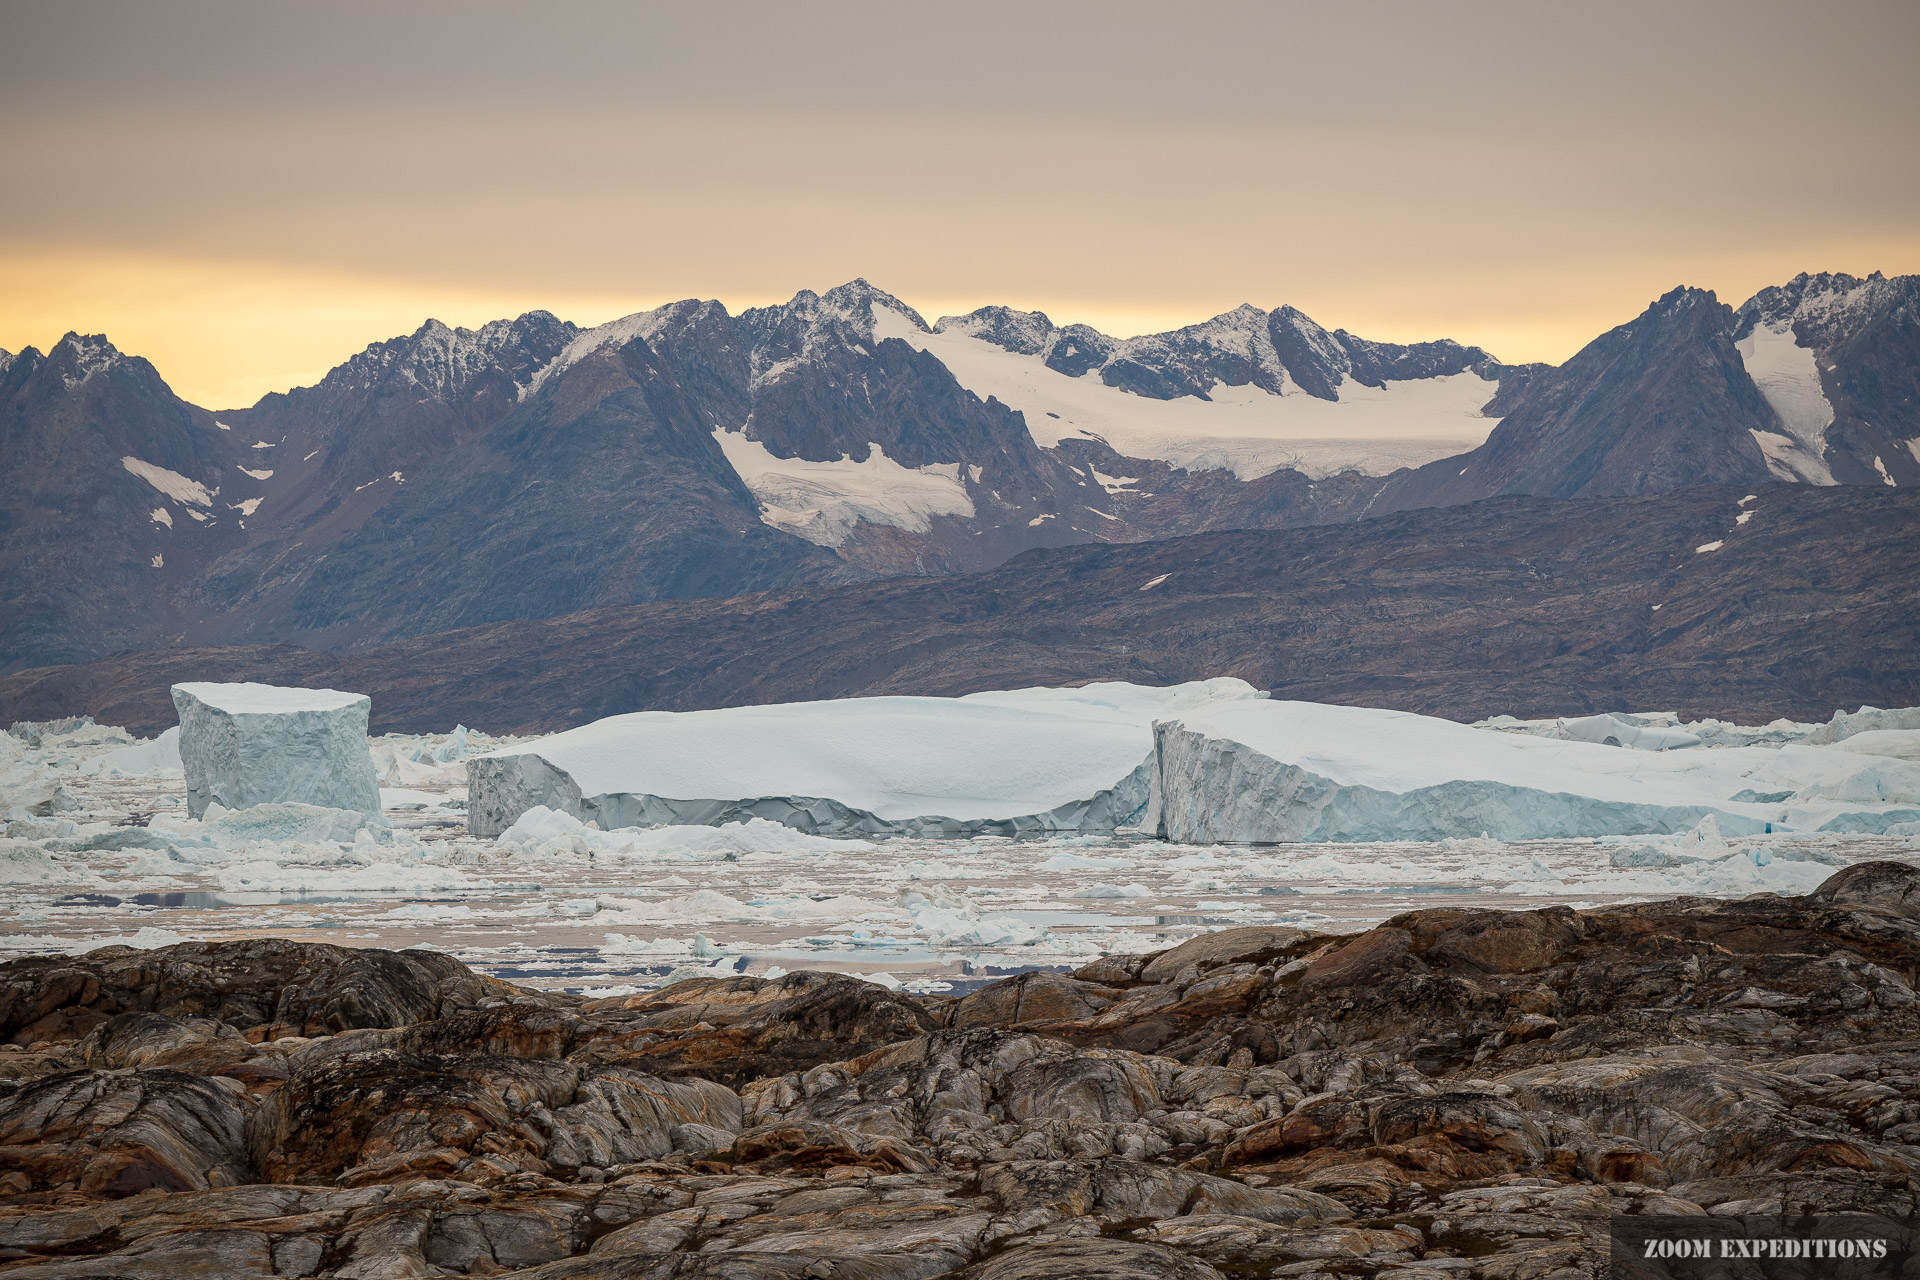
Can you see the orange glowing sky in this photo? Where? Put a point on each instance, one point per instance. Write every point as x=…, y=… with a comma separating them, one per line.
x=246, y=195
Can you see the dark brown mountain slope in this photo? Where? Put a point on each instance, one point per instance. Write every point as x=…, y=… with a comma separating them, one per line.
x=1657, y=404
x=1519, y=604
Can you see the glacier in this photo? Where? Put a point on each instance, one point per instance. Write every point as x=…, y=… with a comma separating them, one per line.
x=1284, y=772
x=247, y=744
x=1017, y=762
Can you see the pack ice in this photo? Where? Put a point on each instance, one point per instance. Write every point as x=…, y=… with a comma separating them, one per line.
x=248, y=744
x=1301, y=772
x=1003, y=763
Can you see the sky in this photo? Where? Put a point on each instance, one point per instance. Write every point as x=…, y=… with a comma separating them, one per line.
x=247, y=194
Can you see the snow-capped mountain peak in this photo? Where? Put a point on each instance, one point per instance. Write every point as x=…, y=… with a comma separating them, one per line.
x=859, y=304
x=1821, y=308
x=618, y=333
x=1025, y=333
x=853, y=316
x=438, y=360
x=80, y=356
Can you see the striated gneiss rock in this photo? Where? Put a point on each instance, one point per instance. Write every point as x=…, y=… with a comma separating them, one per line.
x=1460, y=1092
x=267, y=986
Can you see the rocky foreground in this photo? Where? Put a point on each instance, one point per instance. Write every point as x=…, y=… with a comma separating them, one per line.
x=1452, y=1094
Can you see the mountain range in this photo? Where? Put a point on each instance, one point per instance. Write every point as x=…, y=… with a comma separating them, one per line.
x=1709, y=601
x=531, y=469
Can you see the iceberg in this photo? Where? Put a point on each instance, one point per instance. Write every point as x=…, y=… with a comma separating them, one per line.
x=247, y=744
x=1280, y=772
x=158, y=756
x=1620, y=731
x=1024, y=761
x=1847, y=724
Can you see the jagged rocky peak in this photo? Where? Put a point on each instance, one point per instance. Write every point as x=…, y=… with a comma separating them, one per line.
x=1283, y=351
x=776, y=337
x=840, y=317
x=1026, y=333
x=618, y=333
x=1679, y=300
x=79, y=356
x=1681, y=310
x=444, y=361
x=1072, y=349
x=6, y=359
x=1659, y=403
x=859, y=304
x=1824, y=308
x=1232, y=349
x=856, y=316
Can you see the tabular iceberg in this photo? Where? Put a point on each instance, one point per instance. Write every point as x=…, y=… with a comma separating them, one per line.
x=1262, y=772
x=248, y=744
x=1004, y=763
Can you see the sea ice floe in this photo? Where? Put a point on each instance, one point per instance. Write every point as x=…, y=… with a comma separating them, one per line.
x=946, y=919
x=263, y=875
x=553, y=831
x=24, y=862
x=1082, y=862
x=1112, y=891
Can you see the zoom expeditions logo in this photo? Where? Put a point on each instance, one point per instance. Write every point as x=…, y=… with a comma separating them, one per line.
x=1684, y=1247
x=1847, y=1246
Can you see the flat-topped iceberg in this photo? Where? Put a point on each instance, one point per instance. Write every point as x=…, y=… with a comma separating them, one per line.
x=1300, y=771
x=247, y=744
x=1014, y=762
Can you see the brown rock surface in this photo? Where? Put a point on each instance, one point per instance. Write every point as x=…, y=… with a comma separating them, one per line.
x=1451, y=1094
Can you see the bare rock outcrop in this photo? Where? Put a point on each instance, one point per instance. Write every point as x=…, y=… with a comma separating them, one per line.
x=1469, y=1094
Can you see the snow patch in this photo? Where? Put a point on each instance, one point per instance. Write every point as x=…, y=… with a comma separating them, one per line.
x=1789, y=377
x=159, y=516
x=1244, y=429
x=258, y=475
x=171, y=483
x=823, y=501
